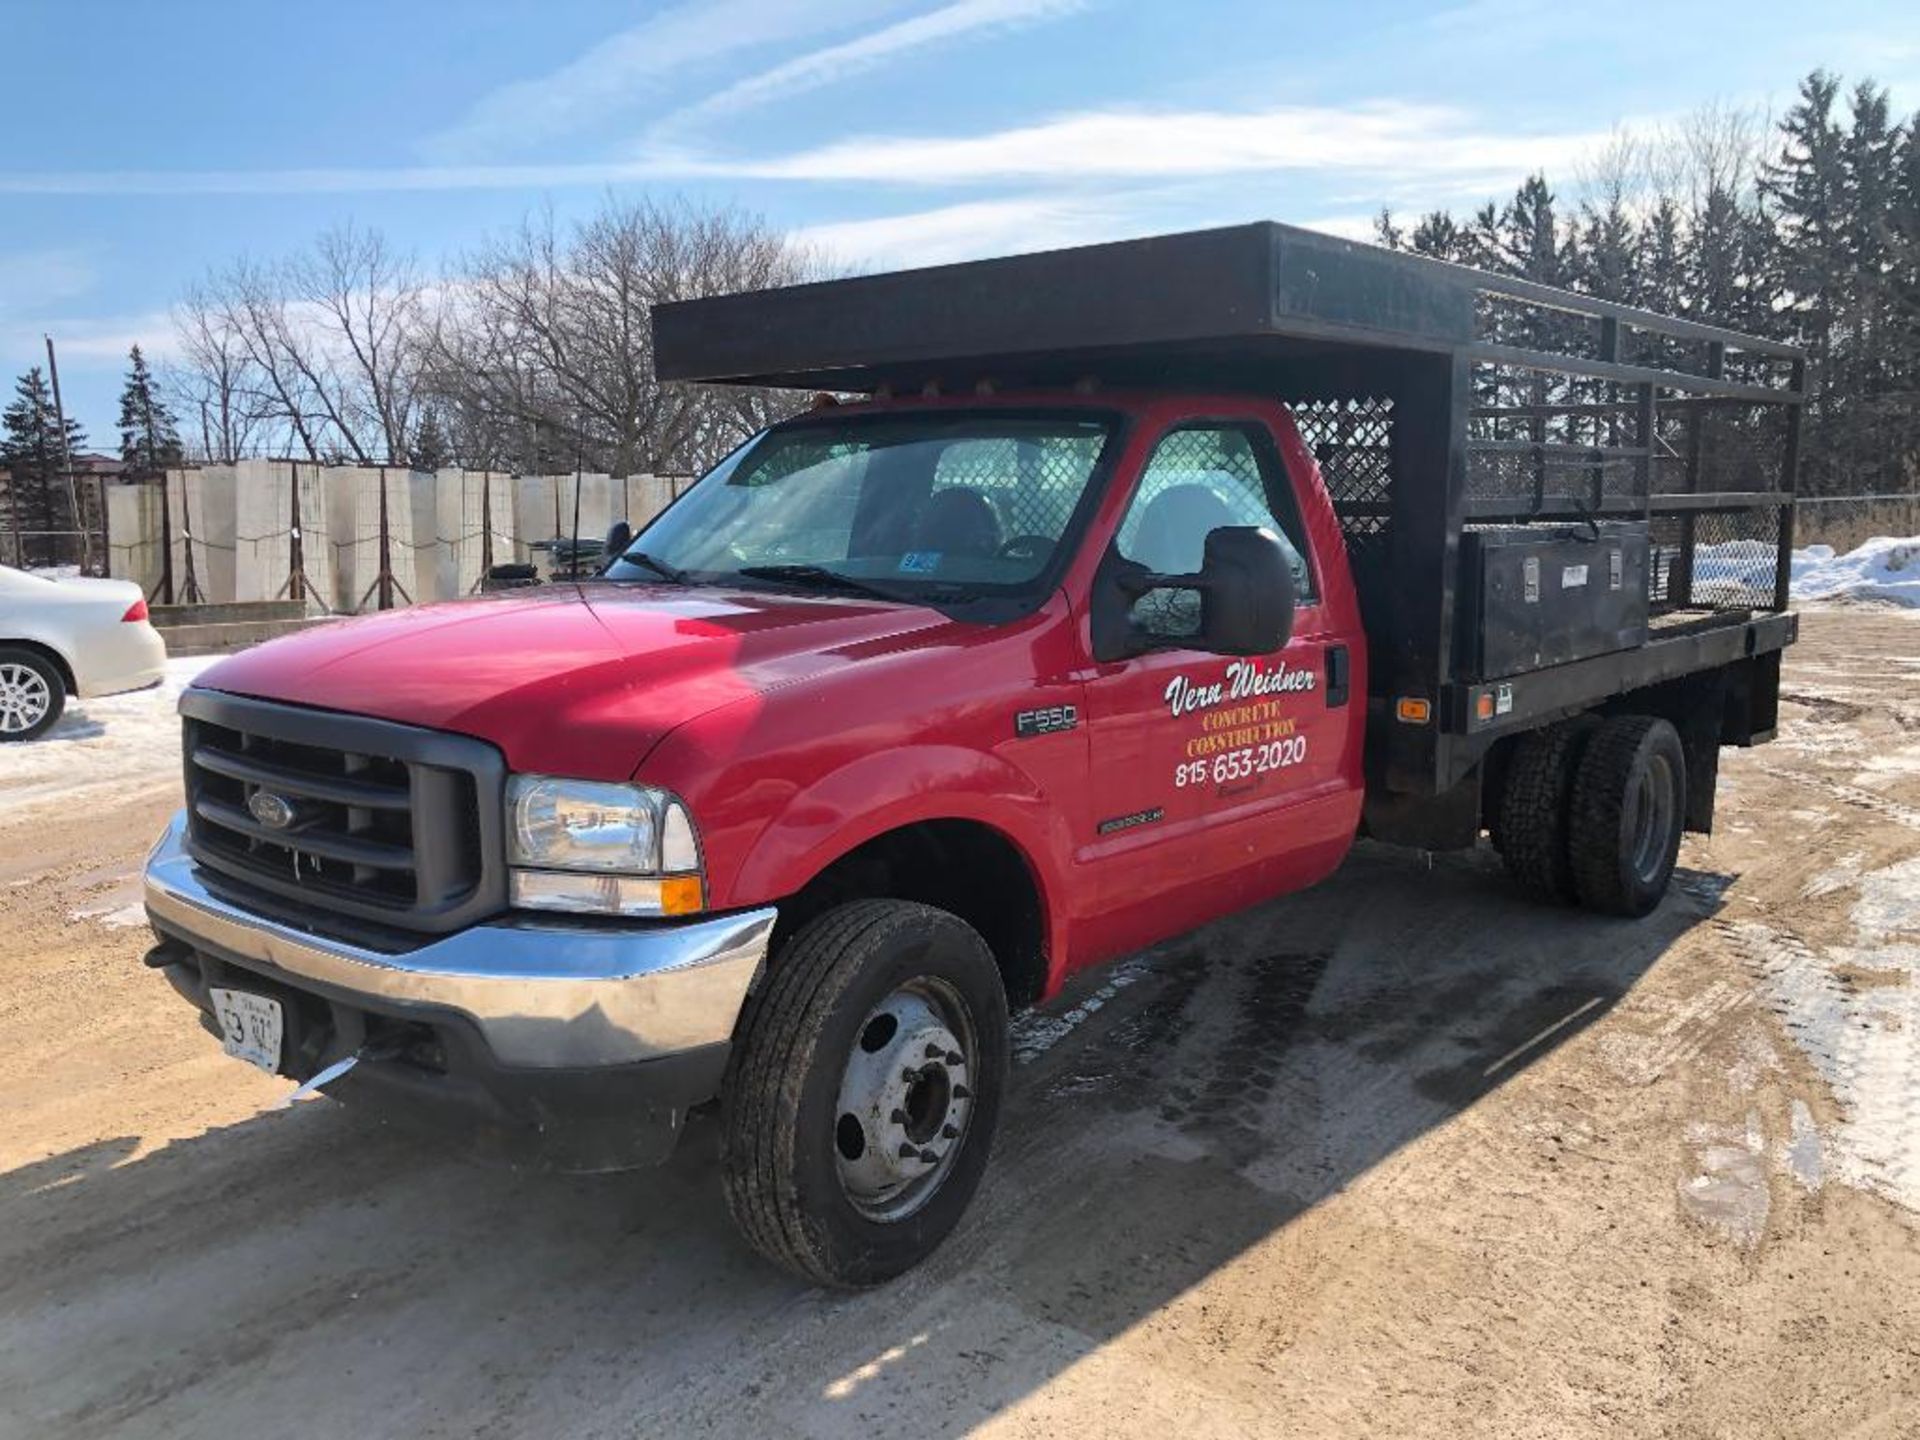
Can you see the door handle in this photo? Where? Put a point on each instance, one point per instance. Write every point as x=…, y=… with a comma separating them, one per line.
x=1339, y=670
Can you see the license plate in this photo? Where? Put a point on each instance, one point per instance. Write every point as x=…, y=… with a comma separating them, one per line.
x=250, y=1026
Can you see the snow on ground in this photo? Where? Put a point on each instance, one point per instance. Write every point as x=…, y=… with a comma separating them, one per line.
x=101, y=749
x=1886, y=569
x=1882, y=569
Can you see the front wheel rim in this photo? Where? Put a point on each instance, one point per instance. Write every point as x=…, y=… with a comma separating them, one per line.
x=906, y=1099
x=25, y=698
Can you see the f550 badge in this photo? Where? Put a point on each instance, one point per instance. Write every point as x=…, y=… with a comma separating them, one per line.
x=1029, y=723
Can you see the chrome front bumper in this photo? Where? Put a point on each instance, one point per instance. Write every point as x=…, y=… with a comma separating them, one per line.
x=543, y=993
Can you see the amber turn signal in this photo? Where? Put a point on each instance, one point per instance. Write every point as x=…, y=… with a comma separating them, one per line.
x=1414, y=711
x=680, y=895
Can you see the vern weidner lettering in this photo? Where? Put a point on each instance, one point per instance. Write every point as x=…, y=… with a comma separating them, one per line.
x=1244, y=680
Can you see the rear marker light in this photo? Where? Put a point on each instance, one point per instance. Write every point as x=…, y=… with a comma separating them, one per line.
x=135, y=612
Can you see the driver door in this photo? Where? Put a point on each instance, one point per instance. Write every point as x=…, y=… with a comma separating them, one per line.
x=1206, y=768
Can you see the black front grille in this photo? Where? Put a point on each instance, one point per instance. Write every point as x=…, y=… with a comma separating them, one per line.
x=360, y=817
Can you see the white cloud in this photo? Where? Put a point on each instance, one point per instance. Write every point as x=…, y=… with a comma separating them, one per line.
x=1406, y=147
x=329, y=180
x=969, y=231
x=626, y=68
x=835, y=63
x=1382, y=138
x=85, y=341
x=1347, y=227
x=33, y=279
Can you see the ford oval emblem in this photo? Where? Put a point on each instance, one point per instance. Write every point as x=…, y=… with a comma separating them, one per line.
x=271, y=810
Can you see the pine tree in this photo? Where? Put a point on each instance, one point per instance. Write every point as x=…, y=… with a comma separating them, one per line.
x=1903, y=340
x=1607, y=252
x=1439, y=236
x=149, y=437
x=31, y=453
x=1807, y=189
x=1662, y=271
x=430, y=449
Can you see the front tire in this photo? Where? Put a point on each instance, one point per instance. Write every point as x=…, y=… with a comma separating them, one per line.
x=1629, y=807
x=863, y=1092
x=32, y=694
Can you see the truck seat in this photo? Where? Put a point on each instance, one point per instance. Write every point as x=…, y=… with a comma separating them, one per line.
x=958, y=520
x=1172, y=538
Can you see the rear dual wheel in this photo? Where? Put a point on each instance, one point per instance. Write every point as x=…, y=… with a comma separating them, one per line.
x=863, y=1092
x=1629, y=807
x=1593, y=812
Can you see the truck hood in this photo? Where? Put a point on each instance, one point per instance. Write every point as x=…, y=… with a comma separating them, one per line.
x=576, y=680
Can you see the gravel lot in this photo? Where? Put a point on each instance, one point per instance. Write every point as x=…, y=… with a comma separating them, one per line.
x=1403, y=1155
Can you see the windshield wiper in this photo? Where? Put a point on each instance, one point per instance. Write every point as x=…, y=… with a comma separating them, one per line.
x=820, y=577
x=659, y=567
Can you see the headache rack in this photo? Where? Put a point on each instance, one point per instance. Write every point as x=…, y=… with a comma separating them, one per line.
x=1447, y=407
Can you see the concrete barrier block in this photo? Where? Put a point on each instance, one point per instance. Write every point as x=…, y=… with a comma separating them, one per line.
x=486, y=535
x=202, y=501
x=319, y=573
x=263, y=529
x=536, y=515
x=134, y=531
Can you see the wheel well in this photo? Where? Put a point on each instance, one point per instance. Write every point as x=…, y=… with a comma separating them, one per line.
x=961, y=866
x=46, y=652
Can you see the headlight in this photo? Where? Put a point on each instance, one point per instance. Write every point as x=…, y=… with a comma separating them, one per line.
x=596, y=848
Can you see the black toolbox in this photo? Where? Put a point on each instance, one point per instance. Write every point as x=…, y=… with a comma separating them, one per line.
x=1538, y=595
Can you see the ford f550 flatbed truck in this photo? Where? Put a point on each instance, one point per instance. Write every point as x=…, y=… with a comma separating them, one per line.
x=1135, y=583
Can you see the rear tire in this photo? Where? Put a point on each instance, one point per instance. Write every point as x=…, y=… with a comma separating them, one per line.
x=32, y=694
x=863, y=1092
x=1629, y=808
x=1535, y=805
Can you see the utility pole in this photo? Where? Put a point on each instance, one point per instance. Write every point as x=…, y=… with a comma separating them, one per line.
x=66, y=461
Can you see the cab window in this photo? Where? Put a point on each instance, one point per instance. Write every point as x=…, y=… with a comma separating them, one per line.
x=1200, y=478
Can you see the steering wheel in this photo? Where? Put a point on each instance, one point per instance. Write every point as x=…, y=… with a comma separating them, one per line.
x=1025, y=547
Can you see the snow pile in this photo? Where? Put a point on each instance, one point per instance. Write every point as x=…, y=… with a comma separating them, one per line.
x=1886, y=569
x=101, y=752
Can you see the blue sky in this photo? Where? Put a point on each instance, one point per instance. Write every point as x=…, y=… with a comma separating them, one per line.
x=150, y=142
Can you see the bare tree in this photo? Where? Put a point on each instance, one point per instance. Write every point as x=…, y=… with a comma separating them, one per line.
x=213, y=383
x=321, y=353
x=362, y=350
x=542, y=352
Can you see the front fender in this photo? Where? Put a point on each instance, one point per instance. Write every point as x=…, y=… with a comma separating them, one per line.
x=875, y=793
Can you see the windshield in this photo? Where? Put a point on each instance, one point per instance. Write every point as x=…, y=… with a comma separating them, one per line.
x=913, y=506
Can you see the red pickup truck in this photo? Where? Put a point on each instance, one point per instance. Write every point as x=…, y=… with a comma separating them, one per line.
x=1049, y=648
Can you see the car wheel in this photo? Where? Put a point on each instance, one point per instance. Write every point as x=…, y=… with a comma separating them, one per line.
x=32, y=694
x=863, y=1092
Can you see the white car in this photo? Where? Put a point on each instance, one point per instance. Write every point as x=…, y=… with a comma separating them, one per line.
x=66, y=637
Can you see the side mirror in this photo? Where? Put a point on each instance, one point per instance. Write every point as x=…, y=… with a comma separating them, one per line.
x=1246, y=591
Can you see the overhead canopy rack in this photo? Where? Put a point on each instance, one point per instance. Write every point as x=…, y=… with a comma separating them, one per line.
x=1438, y=399
x=1225, y=301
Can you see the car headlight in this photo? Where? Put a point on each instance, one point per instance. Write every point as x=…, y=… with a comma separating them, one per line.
x=591, y=847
